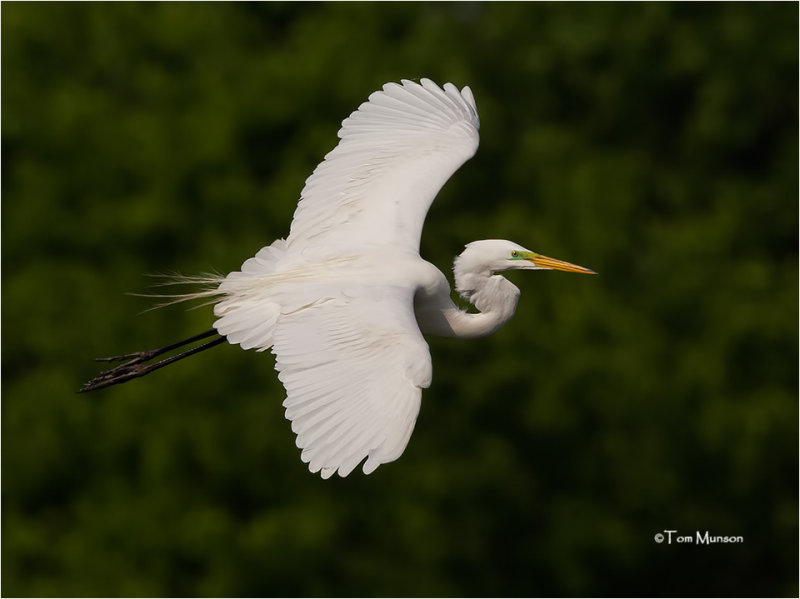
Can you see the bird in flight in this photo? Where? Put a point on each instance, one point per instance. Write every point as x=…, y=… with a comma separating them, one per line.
x=344, y=301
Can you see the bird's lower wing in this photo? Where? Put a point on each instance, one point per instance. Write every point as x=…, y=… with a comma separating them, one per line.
x=354, y=366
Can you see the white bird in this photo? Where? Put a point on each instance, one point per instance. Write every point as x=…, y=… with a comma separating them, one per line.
x=344, y=301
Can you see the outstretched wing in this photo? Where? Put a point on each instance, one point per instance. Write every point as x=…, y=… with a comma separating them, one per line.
x=396, y=152
x=354, y=365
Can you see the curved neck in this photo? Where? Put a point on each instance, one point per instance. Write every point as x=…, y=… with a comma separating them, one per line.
x=495, y=296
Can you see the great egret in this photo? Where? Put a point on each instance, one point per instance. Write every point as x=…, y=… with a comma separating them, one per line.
x=345, y=299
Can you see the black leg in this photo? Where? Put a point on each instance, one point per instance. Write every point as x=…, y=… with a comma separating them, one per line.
x=135, y=366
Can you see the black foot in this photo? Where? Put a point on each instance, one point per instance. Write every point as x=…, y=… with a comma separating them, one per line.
x=135, y=363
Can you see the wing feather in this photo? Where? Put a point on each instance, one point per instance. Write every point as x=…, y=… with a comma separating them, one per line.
x=395, y=153
x=354, y=368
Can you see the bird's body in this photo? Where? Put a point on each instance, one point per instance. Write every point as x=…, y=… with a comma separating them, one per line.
x=343, y=302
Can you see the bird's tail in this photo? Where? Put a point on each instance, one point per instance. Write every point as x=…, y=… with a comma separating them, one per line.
x=246, y=314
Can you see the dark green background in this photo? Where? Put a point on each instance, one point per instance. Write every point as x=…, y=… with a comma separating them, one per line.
x=654, y=143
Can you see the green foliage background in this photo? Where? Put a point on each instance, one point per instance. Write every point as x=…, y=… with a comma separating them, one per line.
x=655, y=143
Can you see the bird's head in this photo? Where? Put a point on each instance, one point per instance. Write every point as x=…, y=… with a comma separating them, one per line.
x=489, y=256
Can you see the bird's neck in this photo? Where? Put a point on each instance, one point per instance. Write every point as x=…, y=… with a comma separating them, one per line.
x=493, y=295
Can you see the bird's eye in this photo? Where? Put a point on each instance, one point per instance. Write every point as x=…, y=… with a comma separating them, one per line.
x=514, y=254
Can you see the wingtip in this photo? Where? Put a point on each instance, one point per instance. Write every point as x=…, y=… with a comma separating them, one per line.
x=466, y=93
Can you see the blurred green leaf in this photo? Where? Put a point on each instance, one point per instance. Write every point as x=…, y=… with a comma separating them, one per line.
x=654, y=143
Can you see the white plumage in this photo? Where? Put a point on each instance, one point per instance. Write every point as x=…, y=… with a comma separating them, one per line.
x=344, y=300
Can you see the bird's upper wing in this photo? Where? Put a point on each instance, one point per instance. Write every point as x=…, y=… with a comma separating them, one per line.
x=396, y=152
x=354, y=364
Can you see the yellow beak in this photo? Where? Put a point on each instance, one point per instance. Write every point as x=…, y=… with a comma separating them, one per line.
x=553, y=264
